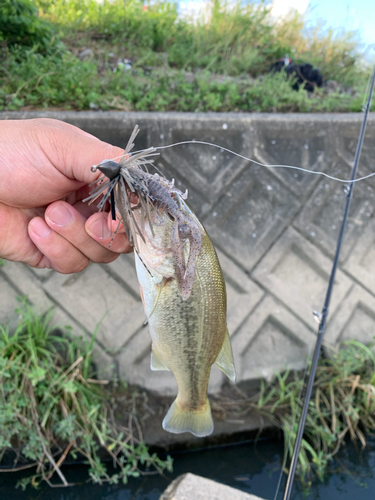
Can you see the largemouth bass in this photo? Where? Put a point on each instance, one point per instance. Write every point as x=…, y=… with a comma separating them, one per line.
x=181, y=282
x=188, y=336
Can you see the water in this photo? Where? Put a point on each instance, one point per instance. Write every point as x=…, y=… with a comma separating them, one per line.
x=253, y=469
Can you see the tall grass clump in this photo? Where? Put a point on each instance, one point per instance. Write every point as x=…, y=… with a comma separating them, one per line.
x=342, y=406
x=227, y=50
x=227, y=37
x=52, y=407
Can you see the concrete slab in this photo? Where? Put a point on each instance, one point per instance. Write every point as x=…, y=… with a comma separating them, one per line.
x=271, y=340
x=319, y=220
x=360, y=261
x=250, y=216
x=192, y=487
x=93, y=297
x=275, y=231
x=297, y=273
x=354, y=319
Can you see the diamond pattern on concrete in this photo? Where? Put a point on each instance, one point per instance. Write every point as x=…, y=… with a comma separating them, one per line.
x=123, y=271
x=354, y=319
x=204, y=170
x=28, y=281
x=271, y=340
x=209, y=170
x=321, y=216
x=93, y=296
x=346, y=145
x=360, y=263
x=297, y=273
x=273, y=228
x=25, y=281
x=242, y=293
x=305, y=151
x=250, y=215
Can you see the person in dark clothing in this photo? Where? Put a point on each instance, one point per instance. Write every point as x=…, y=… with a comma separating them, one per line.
x=303, y=74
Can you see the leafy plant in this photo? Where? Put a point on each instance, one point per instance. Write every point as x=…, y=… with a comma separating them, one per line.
x=20, y=24
x=50, y=407
x=225, y=38
x=342, y=405
x=215, y=62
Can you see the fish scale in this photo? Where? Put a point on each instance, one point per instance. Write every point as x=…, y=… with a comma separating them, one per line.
x=188, y=336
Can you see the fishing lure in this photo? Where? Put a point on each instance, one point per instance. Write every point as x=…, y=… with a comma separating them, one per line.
x=130, y=177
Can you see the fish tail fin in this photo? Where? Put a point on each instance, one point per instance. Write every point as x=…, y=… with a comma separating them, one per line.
x=198, y=422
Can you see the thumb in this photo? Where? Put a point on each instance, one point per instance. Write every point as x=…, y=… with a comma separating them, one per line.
x=73, y=151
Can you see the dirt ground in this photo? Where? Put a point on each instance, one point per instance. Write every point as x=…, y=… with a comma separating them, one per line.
x=234, y=414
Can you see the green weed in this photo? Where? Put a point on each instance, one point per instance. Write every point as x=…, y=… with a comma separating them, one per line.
x=230, y=38
x=20, y=25
x=342, y=405
x=61, y=80
x=226, y=50
x=49, y=406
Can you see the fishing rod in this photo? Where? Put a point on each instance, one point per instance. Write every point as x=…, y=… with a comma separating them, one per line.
x=324, y=314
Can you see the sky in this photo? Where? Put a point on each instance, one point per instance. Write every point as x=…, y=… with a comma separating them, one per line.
x=356, y=15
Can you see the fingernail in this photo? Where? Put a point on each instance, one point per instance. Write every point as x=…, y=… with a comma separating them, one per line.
x=99, y=229
x=60, y=215
x=40, y=228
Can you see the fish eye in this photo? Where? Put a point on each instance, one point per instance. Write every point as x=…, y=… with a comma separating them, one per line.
x=184, y=231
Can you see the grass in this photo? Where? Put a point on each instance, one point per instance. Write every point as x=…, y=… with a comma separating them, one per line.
x=342, y=406
x=52, y=407
x=218, y=62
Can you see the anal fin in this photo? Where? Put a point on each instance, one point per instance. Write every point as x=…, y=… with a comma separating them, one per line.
x=225, y=361
x=157, y=364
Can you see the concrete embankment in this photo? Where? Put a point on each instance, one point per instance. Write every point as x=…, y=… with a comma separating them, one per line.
x=274, y=229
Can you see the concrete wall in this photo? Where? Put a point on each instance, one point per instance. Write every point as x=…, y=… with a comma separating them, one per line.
x=275, y=231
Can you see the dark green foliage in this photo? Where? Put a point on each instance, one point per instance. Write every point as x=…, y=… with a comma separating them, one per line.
x=227, y=51
x=61, y=80
x=20, y=24
x=49, y=405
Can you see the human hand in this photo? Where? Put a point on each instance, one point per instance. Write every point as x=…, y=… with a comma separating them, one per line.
x=45, y=172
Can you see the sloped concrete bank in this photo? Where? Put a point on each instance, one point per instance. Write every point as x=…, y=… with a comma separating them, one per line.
x=275, y=231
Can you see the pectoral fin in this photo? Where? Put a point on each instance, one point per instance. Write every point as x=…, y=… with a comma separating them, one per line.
x=157, y=364
x=225, y=359
x=160, y=286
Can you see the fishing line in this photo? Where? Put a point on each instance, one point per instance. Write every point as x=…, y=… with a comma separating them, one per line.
x=222, y=148
x=324, y=314
x=350, y=182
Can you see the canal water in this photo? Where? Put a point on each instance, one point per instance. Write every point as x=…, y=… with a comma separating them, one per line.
x=251, y=468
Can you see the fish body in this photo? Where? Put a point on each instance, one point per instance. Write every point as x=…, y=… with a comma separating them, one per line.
x=188, y=335
x=181, y=282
